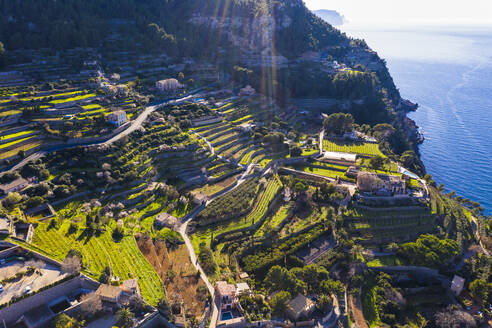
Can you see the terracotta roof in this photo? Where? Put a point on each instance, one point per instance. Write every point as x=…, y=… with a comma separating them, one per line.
x=223, y=288
x=109, y=291
x=130, y=284
x=300, y=303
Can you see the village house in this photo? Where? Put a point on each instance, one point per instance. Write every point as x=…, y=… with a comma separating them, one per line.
x=14, y=186
x=227, y=294
x=199, y=198
x=165, y=220
x=110, y=294
x=247, y=91
x=246, y=127
x=380, y=184
x=168, y=85
x=131, y=287
x=242, y=288
x=5, y=226
x=117, y=118
x=457, y=285
x=300, y=307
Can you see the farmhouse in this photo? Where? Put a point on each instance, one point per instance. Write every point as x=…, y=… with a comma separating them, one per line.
x=301, y=306
x=16, y=185
x=168, y=85
x=131, y=287
x=227, y=294
x=380, y=184
x=110, y=294
x=165, y=220
x=117, y=118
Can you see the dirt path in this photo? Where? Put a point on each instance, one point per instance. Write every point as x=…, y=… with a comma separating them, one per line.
x=357, y=316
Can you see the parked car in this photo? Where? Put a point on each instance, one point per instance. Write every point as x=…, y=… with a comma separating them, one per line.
x=2, y=261
x=1, y=288
x=28, y=290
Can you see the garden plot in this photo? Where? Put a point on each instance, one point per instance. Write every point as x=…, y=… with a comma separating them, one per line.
x=362, y=148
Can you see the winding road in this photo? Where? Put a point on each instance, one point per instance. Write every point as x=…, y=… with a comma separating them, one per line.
x=135, y=124
x=191, y=250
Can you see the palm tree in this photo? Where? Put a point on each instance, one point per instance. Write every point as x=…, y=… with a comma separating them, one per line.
x=125, y=318
x=356, y=250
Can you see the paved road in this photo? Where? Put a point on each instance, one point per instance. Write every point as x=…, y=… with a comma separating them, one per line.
x=191, y=250
x=136, y=124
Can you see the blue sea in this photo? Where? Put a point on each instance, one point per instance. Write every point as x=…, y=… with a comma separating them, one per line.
x=448, y=72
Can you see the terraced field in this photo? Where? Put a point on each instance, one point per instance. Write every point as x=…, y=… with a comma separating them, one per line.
x=391, y=224
x=261, y=206
x=362, y=148
x=99, y=251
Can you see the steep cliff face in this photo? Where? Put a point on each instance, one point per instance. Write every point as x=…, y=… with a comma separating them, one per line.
x=285, y=29
x=249, y=33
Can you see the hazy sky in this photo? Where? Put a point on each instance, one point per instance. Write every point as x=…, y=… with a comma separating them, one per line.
x=410, y=11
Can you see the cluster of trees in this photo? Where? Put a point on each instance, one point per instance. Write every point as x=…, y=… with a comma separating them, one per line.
x=263, y=258
x=338, y=123
x=231, y=203
x=327, y=193
x=286, y=283
x=207, y=260
x=354, y=84
x=429, y=251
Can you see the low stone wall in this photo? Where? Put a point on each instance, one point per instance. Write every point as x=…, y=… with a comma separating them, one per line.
x=225, y=176
x=223, y=236
x=14, y=311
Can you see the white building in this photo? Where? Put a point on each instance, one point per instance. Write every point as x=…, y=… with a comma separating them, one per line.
x=117, y=118
x=168, y=85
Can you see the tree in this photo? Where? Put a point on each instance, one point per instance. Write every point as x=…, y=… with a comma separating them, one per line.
x=90, y=304
x=454, y=318
x=279, y=302
x=338, y=123
x=71, y=265
x=2, y=55
x=295, y=151
x=383, y=131
x=393, y=247
x=479, y=290
x=164, y=307
x=12, y=199
x=356, y=251
x=125, y=318
x=324, y=302
x=377, y=162
x=64, y=321
x=35, y=201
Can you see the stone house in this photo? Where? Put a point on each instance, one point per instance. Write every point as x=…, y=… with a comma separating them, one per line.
x=300, y=307
x=380, y=184
x=168, y=85
x=117, y=118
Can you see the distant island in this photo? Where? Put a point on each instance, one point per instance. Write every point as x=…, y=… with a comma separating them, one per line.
x=331, y=16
